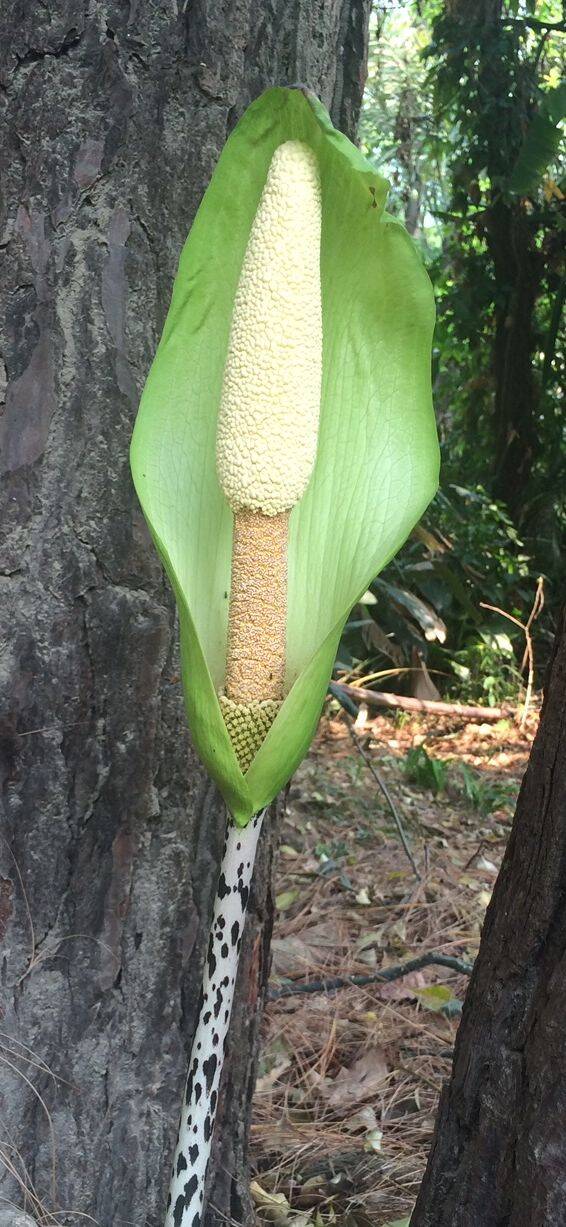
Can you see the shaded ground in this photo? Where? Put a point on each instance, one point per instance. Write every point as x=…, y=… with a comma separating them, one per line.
x=349, y=1080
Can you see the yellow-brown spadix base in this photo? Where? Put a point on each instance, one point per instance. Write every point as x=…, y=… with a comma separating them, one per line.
x=267, y=432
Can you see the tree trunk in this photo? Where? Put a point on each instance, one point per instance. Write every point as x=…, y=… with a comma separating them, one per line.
x=518, y=268
x=512, y=236
x=111, y=835
x=499, y=1157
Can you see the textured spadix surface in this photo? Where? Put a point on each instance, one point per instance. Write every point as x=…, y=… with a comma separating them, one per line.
x=270, y=403
x=377, y=459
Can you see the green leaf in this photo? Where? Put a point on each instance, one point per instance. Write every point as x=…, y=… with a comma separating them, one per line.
x=435, y=997
x=425, y=771
x=541, y=143
x=285, y=899
x=377, y=459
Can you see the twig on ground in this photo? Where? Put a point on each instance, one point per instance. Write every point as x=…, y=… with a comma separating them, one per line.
x=385, y=791
x=386, y=976
x=381, y=698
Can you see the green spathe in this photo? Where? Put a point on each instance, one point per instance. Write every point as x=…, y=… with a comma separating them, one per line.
x=377, y=462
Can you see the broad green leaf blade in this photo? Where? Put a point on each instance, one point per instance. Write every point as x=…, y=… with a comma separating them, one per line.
x=541, y=144
x=377, y=459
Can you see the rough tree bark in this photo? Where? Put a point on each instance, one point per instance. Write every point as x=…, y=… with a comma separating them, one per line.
x=114, y=115
x=498, y=1157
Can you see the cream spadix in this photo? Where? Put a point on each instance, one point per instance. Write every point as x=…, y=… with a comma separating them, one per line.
x=267, y=432
x=270, y=404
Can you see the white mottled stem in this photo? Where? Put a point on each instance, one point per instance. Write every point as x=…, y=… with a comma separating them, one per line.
x=186, y=1197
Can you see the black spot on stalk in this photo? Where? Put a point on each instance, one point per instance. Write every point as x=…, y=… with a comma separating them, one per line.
x=190, y=1189
x=198, y=1090
x=224, y=951
x=209, y=1070
x=235, y=931
x=182, y=1164
x=193, y=1153
x=178, y=1211
x=223, y=889
x=207, y=1129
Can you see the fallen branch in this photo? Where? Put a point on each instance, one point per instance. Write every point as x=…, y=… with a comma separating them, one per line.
x=382, y=698
x=385, y=976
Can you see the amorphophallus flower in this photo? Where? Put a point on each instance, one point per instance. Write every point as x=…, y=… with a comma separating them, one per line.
x=284, y=448
x=377, y=456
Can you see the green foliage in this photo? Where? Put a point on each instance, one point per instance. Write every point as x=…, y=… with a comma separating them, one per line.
x=463, y=107
x=541, y=144
x=485, y=795
x=486, y=669
x=424, y=771
x=439, y=998
x=482, y=794
x=496, y=91
x=427, y=602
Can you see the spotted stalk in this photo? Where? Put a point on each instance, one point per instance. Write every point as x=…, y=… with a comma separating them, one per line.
x=200, y=1101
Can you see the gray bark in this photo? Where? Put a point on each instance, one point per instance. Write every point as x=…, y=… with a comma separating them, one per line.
x=113, y=118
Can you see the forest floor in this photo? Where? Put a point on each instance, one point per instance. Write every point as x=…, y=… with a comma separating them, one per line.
x=349, y=1080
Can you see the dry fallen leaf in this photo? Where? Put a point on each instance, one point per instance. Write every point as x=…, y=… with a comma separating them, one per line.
x=274, y=1205
x=267, y=1081
x=365, y=1120
x=351, y=1086
x=404, y=989
x=298, y=953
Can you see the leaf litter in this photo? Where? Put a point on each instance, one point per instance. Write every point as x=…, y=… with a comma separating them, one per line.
x=348, y=1081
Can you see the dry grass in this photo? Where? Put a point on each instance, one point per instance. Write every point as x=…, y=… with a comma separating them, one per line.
x=349, y=1081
